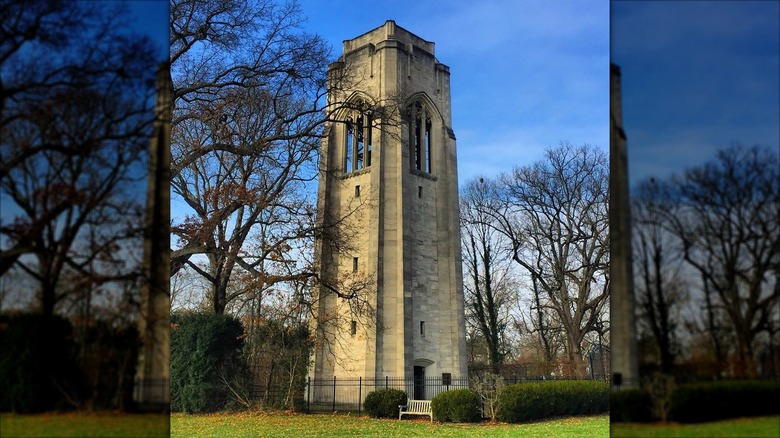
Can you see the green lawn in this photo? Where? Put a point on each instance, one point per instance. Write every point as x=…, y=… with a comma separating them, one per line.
x=764, y=427
x=323, y=425
x=84, y=425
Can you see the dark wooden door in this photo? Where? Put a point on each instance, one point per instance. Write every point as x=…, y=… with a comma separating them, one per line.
x=419, y=383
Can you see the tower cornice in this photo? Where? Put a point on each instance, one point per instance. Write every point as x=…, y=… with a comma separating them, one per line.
x=386, y=33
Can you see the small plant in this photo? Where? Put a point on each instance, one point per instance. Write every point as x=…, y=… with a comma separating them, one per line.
x=660, y=387
x=457, y=406
x=383, y=403
x=488, y=389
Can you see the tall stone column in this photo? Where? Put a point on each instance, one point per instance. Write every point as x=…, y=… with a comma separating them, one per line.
x=152, y=382
x=623, y=325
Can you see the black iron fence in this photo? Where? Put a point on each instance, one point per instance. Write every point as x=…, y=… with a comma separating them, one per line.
x=279, y=394
x=152, y=394
x=347, y=394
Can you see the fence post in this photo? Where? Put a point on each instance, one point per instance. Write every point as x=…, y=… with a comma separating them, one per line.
x=385, y=382
x=334, y=393
x=308, y=394
x=360, y=393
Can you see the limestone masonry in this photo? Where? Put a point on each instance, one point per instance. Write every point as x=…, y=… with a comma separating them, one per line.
x=391, y=298
x=623, y=330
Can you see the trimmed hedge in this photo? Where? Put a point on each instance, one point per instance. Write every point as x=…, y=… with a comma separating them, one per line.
x=707, y=401
x=630, y=405
x=539, y=400
x=457, y=406
x=383, y=403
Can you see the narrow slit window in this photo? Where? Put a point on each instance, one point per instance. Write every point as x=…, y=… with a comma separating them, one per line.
x=419, y=192
x=369, y=123
x=428, y=145
x=354, y=264
x=353, y=328
x=360, y=134
x=350, y=132
x=422, y=328
x=357, y=191
x=417, y=137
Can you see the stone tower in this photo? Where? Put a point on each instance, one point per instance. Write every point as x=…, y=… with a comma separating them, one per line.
x=388, y=196
x=623, y=330
x=152, y=380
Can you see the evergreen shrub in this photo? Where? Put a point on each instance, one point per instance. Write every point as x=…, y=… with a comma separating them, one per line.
x=707, y=401
x=203, y=347
x=540, y=400
x=383, y=403
x=630, y=405
x=457, y=406
x=37, y=363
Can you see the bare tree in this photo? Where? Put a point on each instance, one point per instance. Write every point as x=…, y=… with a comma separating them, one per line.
x=488, y=285
x=659, y=281
x=76, y=117
x=233, y=195
x=249, y=115
x=247, y=85
x=554, y=213
x=543, y=321
x=728, y=223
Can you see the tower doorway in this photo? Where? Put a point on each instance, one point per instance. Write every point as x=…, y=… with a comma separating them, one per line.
x=419, y=383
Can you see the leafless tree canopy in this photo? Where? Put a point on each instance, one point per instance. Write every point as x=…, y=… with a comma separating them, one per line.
x=552, y=215
x=658, y=281
x=227, y=57
x=76, y=116
x=724, y=221
x=249, y=114
x=489, y=285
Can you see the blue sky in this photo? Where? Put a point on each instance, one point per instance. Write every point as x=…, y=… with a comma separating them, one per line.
x=696, y=77
x=151, y=17
x=525, y=75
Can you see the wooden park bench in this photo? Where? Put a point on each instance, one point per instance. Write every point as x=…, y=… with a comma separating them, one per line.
x=416, y=407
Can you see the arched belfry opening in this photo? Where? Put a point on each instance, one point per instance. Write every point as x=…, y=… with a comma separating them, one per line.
x=357, y=134
x=391, y=187
x=421, y=120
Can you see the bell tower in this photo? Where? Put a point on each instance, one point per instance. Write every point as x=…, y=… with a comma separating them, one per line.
x=390, y=302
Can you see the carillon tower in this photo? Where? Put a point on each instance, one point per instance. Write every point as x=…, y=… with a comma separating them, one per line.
x=625, y=372
x=152, y=380
x=391, y=299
